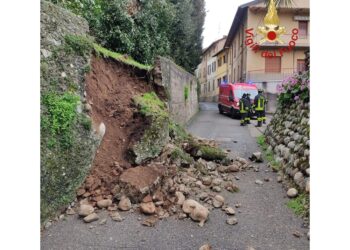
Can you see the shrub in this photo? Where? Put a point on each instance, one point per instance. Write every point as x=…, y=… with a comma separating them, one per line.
x=151, y=105
x=60, y=117
x=80, y=45
x=294, y=88
x=299, y=205
x=186, y=92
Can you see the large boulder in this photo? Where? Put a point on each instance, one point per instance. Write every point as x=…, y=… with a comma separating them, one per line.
x=139, y=181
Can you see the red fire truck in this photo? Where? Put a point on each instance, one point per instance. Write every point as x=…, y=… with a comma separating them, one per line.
x=231, y=93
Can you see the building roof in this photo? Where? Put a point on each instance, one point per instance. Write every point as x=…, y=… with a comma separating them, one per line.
x=213, y=43
x=241, y=10
x=217, y=53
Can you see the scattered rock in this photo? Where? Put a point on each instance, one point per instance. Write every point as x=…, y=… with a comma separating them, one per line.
x=217, y=182
x=47, y=225
x=217, y=204
x=85, y=210
x=307, y=171
x=307, y=186
x=147, y=198
x=90, y=218
x=237, y=178
x=257, y=157
x=206, y=180
x=182, y=216
x=70, y=211
x=150, y=221
x=148, y=208
x=203, y=196
x=103, y=221
x=46, y=53
x=241, y=160
x=266, y=179
x=238, y=205
x=124, y=204
x=219, y=198
x=279, y=178
x=221, y=169
x=308, y=235
x=180, y=198
x=104, y=203
x=259, y=182
x=115, y=216
x=230, y=211
x=292, y=192
x=232, y=168
x=205, y=247
x=81, y=191
x=216, y=189
x=297, y=234
x=232, y=221
x=196, y=211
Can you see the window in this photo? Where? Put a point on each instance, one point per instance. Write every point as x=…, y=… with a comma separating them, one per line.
x=224, y=79
x=213, y=84
x=219, y=81
x=219, y=62
x=273, y=64
x=234, y=49
x=213, y=66
x=240, y=92
x=225, y=59
x=303, y=25
x=301, y=65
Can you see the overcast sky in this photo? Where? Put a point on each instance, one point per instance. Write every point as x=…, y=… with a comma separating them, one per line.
x=219, y=17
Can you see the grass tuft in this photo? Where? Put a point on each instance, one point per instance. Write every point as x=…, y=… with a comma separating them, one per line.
x=127, y=60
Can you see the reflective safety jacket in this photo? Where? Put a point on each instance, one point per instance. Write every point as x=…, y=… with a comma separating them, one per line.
x=259, y=102
x=243, y=108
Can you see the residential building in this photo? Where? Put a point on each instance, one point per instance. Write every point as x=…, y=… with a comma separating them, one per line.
x=248, y=65
x=206, y=71
x=221, y=75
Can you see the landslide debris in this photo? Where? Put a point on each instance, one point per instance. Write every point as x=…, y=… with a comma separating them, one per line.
x=146, y=162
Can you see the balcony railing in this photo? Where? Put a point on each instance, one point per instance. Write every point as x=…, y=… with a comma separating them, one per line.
x=262, y=76
x=303, y=41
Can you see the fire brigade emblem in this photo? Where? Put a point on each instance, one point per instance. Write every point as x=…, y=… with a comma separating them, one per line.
x=272, y=30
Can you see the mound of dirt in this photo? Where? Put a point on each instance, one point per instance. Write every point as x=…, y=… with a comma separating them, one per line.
x=110, y=87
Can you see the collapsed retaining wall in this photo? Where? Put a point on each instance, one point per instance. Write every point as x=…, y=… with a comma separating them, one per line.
x=288, y=136
x=179, y=88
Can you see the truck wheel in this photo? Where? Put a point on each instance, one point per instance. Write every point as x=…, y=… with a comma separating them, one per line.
x=220, y=109
x=232, y=113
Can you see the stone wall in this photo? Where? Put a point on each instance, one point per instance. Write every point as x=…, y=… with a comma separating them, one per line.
x=172, y=82
x=288, y=136
x=63, y=166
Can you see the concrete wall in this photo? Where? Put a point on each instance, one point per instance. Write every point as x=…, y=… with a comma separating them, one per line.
x=175, y=81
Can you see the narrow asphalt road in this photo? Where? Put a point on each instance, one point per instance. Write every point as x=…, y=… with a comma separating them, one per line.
x=264, y=221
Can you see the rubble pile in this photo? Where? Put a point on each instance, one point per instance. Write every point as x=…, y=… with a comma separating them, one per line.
x=169, y=186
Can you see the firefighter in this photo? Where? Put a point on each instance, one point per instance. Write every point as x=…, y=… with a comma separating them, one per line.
x=248, y=104
x=243, y=109
x=260, y=103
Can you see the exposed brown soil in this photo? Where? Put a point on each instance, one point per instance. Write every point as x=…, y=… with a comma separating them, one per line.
x=110, y=87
